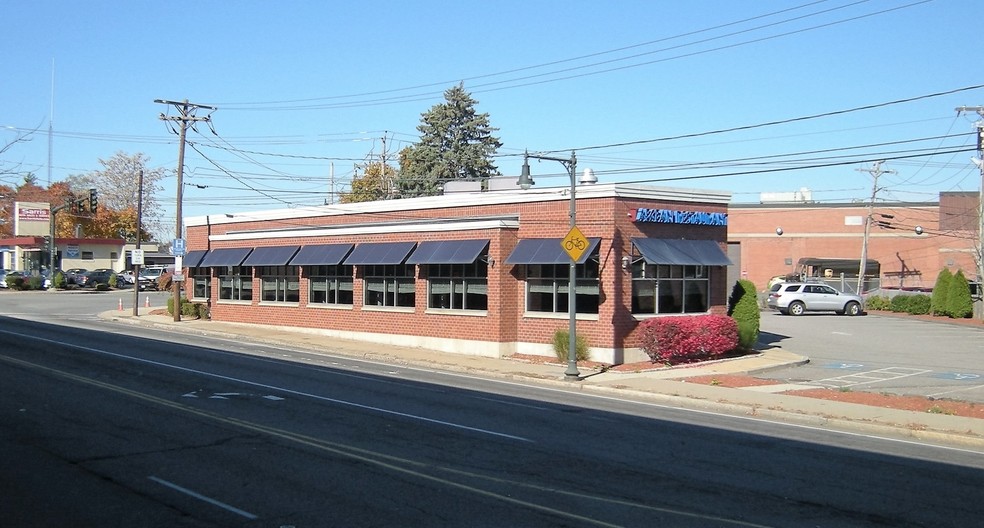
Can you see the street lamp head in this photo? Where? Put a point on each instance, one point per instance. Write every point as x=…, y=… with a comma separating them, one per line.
x=525, y=179
x=919, y=230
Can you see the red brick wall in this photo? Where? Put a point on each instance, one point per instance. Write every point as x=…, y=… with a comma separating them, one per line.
x=605, y=218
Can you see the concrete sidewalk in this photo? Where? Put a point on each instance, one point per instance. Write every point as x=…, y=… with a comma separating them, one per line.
x=664, y=386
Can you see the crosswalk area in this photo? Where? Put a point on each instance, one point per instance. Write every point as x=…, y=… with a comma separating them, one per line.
x=868, y=377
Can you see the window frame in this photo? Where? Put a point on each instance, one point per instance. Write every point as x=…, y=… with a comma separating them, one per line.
x=334, y=277
x=397, y=282
x=554, y=279
x=670, y=288
x=283, y=281
x=240, y=283
x=472, y=280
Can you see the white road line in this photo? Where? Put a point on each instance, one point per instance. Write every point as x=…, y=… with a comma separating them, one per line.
x=201, y=497
x=276, y=388
x=871, y=376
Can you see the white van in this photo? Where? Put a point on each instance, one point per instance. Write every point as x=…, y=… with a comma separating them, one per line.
x=150, y=276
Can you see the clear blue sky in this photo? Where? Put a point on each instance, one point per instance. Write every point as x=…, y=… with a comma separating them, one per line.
x=311, y=88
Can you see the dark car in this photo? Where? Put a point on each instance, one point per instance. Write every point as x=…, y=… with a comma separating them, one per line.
x=71, y=275
x=90, y=279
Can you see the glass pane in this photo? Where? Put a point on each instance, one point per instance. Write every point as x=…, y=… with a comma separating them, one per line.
x=643, y=296
x=670, y=296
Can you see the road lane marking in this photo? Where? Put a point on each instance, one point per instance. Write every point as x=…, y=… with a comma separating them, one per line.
x=203, y=498
x=390, y=462
x=270, y=387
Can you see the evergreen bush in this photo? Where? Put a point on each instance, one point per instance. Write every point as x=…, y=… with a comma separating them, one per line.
x=562, y=344
x=958, y=301
x=939, y=304
x=878, y=302
x=60, y=282
x=743, y=308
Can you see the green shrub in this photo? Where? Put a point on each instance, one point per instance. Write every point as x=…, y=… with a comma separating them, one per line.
x=203, y=311
x=102, y=286
x=562, y=343
x=918, y=304
x=939, y=304
x=958, y=301
x=15, y=282
x=878, y=302
x=900, y=303
x=60, y=281
x=743, y=308
x=34, y=282
x=113, y=281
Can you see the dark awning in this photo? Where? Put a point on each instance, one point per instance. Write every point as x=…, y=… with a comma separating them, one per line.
x=547, y=251
x=224, y=257
x=448, y=252
x=321, y=255
x=681, y=252
x=193, y=258
x=383, y=253
x=271, y=256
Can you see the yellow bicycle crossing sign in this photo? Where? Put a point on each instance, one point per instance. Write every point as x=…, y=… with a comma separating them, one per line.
x=575, y=243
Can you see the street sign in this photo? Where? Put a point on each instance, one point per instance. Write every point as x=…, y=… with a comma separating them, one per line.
x=179, y=248
x=575, y=244
x=137, y=257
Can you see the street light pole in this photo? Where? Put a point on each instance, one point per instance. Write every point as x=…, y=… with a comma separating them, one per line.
x=525, y=181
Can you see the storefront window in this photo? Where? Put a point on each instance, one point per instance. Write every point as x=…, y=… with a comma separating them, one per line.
x=458, y=286
x=389, y=285
x=236, y=283
x=200, y=280
x=547, y=287
x=661, y=289
x=329, y=284
x=279, y=284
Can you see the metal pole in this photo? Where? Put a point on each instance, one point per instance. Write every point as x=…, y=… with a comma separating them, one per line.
x=572, y=373
x=136, y=267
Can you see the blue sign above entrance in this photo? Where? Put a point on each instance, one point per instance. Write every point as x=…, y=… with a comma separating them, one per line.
x=669, y=216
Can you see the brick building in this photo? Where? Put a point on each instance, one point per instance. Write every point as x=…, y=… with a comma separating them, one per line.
x=947, y=238
x=481, y=273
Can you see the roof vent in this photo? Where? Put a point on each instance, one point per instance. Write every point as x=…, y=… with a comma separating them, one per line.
x=588, y=177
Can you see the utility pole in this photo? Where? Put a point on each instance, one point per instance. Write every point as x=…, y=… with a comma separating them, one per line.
x=979, y=161
x=186, y=115
x=875, y=171
x=136, y=267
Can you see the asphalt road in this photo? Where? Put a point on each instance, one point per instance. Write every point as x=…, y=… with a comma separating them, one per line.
x=881, y=354
x=111, y=426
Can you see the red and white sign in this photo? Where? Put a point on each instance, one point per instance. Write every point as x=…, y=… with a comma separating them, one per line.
x=32, y=219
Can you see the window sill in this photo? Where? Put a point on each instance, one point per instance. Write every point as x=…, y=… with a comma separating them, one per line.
x=448, y=311
x=328, y=306
x=560, y=315
x=398, y=309
x=279, y=303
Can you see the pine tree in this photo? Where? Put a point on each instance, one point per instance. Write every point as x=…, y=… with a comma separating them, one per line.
x=938, y=303
x=959, y=303
x=743, y=308
x=455, y=143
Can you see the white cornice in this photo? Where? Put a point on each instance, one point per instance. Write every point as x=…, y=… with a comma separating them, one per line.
x=473, y=199
x=384, y=228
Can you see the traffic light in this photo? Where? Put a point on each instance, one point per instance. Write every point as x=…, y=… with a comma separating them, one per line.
x=93, y=201
x=80, y=207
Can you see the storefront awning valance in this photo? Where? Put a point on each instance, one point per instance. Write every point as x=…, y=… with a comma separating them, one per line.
x=381, y=253
x=321, y=255
x=193, y=258
x=681, y=252
x=224, y=257
x=271, y=256
x=448, y=252
x=547, y=251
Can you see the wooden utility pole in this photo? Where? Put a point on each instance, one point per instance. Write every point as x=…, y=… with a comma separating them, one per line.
x=875, y=171
x=186, y=115
x=979, y=161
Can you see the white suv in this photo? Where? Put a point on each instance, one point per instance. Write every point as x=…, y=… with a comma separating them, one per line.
x=149, y=276
x=797, y=298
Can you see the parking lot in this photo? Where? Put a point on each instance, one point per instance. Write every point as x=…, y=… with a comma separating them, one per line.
x=880, y=353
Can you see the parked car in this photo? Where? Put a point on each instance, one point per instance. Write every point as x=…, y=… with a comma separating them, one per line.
x=150, y=276
x=125, y=277
x=90, y=279
x=797, y=298
x=72, y=274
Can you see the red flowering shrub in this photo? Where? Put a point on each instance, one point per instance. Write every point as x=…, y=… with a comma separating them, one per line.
x=688, y=339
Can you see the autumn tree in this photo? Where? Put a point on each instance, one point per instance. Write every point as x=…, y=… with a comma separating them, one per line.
x=373, y=184
x=118, y=189
x=455, y=143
